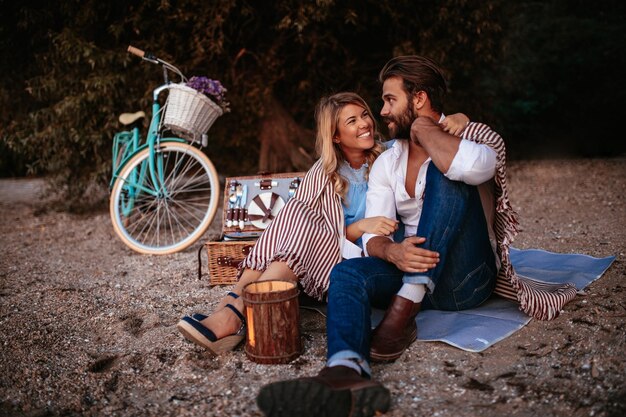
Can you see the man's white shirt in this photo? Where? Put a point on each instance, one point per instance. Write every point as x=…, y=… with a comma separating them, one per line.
x=473, y=164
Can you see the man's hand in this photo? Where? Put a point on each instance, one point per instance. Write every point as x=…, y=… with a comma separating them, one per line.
x=410, y=258
x=423, y=125
x=439, y=145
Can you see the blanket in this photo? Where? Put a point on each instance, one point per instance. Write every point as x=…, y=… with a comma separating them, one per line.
x=476, y=329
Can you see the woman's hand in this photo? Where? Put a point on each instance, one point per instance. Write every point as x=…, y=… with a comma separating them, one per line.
x=379, y=225
x=455, y=123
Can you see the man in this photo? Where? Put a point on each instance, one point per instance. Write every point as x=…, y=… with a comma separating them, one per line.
x=442, y=188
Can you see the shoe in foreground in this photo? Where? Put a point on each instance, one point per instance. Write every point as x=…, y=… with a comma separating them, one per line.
x=338, y=391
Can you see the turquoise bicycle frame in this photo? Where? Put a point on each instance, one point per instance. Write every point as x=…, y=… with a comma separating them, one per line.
x=129, y=142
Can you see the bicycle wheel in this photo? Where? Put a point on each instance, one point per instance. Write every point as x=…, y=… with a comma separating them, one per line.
x=167, y=209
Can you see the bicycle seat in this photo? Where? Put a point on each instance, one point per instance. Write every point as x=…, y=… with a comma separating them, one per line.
x=130, y=118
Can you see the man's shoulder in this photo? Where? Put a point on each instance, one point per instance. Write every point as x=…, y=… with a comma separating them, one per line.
x=387, y=144
x=387, y=158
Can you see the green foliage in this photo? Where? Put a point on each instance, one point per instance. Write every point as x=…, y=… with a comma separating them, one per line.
x=68, y=75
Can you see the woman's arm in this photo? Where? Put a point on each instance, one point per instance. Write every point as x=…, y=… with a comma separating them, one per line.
x=378, y=225
x=455, y=123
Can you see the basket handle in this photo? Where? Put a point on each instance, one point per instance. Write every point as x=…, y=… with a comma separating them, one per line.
x=200, y=250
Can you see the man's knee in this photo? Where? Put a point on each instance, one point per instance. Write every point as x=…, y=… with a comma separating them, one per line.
x=440, y=186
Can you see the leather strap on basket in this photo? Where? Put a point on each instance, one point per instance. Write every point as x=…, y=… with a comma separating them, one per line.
x=223, y=260
x=228, y=261
x=232, y=261
x=267, y=211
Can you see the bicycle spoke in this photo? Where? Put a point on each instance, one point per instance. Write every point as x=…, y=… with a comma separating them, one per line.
x=145, y=215
x=175, y=174
x=186, y=210
x=180, y=227
x=146, y=221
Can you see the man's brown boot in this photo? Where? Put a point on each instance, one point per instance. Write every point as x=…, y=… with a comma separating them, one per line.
x=337, y=391
x=396, y=331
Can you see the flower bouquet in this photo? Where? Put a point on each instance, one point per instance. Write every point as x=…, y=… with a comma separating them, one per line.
x=193, y=107
x=213, y=89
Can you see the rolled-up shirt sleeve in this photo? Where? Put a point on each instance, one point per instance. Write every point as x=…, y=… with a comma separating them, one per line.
x=380, y=199
x=473, y=164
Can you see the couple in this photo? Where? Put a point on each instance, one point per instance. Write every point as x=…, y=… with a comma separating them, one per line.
x=441, y=187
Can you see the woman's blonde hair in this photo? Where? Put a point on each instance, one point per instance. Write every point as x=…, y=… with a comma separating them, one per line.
x=327, y=119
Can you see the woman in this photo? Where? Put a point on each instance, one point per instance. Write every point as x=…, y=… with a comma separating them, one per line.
x=310, y=234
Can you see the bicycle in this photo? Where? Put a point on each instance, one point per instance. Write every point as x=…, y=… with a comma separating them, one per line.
x=164, y=190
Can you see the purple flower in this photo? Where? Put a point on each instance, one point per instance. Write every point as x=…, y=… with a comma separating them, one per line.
x=213, y=89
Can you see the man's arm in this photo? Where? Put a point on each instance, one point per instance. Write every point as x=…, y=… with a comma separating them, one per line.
x=442, y=147
x=459, y=160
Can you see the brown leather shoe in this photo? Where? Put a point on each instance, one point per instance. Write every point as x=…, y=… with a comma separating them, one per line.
x=396, y=331
x=338, y=391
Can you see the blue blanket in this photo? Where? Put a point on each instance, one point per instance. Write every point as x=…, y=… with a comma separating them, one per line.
x=476, y=329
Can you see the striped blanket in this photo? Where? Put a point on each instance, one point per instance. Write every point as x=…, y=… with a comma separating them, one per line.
x=540, y=300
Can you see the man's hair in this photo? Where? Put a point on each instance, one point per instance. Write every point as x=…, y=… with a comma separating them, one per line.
x=418, y=73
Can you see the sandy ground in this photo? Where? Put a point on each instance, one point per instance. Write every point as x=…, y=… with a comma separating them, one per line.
x=87, y=327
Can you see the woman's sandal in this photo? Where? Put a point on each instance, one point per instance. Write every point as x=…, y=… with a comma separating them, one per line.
x=196, y=332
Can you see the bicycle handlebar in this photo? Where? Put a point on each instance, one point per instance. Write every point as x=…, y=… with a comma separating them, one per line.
x=146, y=56
x=136, y=51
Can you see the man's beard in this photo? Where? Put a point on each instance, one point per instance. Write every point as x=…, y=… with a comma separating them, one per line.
x=402, y=124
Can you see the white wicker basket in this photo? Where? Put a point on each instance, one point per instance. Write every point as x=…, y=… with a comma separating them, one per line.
x=189, y=113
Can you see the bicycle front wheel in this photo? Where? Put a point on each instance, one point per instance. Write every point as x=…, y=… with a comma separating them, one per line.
x=168, y=208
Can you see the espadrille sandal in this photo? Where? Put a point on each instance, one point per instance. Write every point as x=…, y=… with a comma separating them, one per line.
x=195, y=332
x=200, y=316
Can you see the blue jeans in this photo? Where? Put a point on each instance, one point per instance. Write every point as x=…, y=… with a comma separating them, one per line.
x=453, y=223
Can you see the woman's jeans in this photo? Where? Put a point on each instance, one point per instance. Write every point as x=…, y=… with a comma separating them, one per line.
x=453, y=223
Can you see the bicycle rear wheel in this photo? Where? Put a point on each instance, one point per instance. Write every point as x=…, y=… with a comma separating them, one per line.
x=170, y=210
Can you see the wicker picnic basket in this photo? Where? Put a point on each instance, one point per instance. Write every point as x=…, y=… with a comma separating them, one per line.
x=226, y=253
x=224, y=257
x=189, y=113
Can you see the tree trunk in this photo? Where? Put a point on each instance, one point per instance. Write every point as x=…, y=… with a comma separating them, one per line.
x=285, y=145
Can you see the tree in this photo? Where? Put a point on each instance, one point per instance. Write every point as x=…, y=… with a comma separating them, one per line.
x=271, y=56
